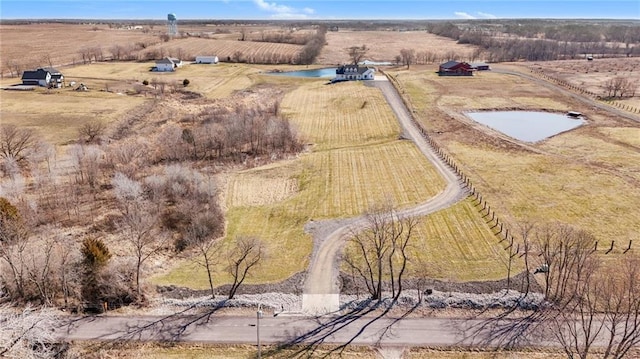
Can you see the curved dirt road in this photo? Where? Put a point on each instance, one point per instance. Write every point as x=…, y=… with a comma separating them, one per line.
x=321, y=292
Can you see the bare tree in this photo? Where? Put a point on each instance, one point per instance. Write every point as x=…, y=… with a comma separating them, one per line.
x=357, y=53
x=408, y=56
x=139, y=224
x=16, y=142
x=589, y=302
x=28, y=334
x=619, y=87
x=379, y=252
x=13, y=244
x=243, y=257
x=201, y=234
x=91, y=131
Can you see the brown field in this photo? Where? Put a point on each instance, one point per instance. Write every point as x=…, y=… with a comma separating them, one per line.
x=38, y=45
x=189, y=48
x=38, y=40
x=385, y=45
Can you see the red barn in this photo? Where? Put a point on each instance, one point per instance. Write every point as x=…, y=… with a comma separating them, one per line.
x=455, y=68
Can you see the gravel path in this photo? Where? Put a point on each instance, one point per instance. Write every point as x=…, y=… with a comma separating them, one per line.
x=321, y=290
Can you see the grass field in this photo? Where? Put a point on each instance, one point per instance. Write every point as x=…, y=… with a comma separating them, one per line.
x=57, y=115
x=459, y=245
x=213, y=81
x=587, y=177
x=358, y=161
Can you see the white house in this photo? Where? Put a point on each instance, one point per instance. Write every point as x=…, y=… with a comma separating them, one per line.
x=168, y=64
x=206, y=59
x=354, y=72
x=47, y=77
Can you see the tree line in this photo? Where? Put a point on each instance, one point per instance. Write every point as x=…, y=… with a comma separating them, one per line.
x=540, y=42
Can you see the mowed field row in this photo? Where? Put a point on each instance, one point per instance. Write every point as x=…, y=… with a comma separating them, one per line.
x=339, y=115
x=457, y=244
x=227, y=50
x=357, y=162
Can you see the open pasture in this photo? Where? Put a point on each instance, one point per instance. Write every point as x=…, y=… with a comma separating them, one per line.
x=57, y=115
x=212, y=81
x=386, y=45
x=587, y=177
x=340, y=115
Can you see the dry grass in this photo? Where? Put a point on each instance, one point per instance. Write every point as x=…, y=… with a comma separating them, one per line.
x=459, y=245
x=345, y=114
x=38, y=45
x=592, y=75
x=587, y=177
x=386, y=45
x=213, y=81
x=57, y=115
x=202, y=351
x=189, y=48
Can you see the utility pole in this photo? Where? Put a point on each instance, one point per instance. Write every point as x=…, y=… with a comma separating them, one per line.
x=258, y=317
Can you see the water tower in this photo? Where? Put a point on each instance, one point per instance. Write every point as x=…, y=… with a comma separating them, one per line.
x=172, y=24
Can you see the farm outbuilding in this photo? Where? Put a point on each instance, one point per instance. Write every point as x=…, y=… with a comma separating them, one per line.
x=455, y=68
x=354, y=72
x=480, y=66
x=46, y=77
x=168, y=64
x=206, y=59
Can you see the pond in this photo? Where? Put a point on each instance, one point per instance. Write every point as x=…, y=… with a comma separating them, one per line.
x=527, y=126
x=326, y=72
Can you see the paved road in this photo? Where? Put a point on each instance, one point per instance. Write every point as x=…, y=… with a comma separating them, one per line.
x=321, y=292
x=299, y=330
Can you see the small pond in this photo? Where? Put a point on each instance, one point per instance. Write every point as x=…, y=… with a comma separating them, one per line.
x=526, y=126
x=326, y=72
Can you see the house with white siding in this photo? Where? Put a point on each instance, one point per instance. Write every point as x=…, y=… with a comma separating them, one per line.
x=168, y=64
x=46, y=77
x=354, y=72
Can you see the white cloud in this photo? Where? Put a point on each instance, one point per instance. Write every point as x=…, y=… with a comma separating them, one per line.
x=283, y=11
x=464, y=15
x=273, y=7
x=486, y=15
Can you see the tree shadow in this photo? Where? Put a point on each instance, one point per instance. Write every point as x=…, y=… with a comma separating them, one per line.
x=307, y=344
x=514, y=327
x=168, y=330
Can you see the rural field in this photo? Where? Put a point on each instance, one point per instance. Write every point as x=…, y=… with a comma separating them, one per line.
x=355, y=160
x=586, y=177
x=386, y=45
x=355, y=156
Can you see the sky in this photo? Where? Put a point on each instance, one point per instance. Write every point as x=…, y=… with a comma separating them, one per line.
x=318, y=9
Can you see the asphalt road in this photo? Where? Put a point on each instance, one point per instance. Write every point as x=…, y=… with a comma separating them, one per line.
x=365, y=330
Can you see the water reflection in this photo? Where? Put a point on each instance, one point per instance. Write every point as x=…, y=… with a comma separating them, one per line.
x=326, y=72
